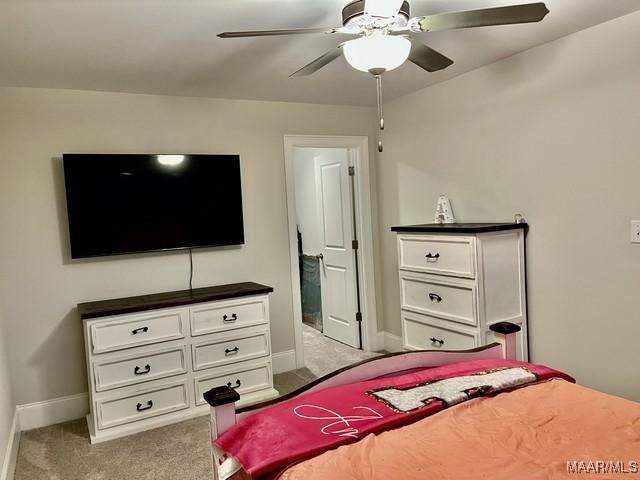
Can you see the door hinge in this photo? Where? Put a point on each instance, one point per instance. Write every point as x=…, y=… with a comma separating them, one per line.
x=355, y=244
x=352, y=171
x=358, y=316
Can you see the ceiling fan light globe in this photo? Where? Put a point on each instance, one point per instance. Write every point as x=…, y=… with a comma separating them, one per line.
x=377, y=52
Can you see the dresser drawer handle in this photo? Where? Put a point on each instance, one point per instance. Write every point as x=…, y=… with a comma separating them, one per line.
x=138, y=330
x=237, y=385
x=437, y=340
x=138, y=371
x=231, y=351
x=431, y=256
x=434, y=297
x=140, y=408
x=233, y=318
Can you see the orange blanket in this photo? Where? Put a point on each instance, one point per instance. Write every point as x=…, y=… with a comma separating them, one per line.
x=544, y=431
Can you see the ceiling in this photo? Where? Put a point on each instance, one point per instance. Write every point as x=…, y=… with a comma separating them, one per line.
x=170, y=46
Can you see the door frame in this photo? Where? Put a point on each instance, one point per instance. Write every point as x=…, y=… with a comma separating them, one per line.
x=359, y=158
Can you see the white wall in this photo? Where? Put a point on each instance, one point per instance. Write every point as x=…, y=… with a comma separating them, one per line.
x=7, y=405
x=40, y=285
x=551, y=133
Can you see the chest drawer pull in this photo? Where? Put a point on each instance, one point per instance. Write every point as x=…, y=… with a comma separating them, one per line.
x=140, y=408
x=229, y=351
x=139, y=330
x=233, y=318
x=237, y=385
x=434, y=297
x=437, y=340
x=138, y=371
x=431, y=256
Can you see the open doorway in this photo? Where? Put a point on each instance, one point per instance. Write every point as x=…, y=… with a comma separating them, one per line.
x=330, y=234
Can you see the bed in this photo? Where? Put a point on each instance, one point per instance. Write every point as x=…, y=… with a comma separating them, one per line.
x=430, y=415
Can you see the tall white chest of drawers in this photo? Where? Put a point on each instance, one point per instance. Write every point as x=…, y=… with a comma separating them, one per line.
x=151, y=358
x=457, y=280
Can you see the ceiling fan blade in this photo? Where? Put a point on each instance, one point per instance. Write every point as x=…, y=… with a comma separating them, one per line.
x=319, y=62
x=270, y=33
x=383, y=8
x=427, y=58
x=528, y=13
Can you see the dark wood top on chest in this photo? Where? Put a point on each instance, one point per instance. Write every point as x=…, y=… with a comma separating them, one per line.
x=459, y=227
x=177, y=298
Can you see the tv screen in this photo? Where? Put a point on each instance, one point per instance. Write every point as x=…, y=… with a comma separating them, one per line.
x=121, y=204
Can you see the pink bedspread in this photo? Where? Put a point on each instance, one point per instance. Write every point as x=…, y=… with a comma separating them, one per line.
x=553, y=430
x=306, y=426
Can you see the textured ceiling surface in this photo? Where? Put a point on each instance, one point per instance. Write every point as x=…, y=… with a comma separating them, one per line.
x=170, y=46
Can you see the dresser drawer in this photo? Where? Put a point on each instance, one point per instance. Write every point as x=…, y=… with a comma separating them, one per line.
x=449, y=300
x=135, y=330
x=422, y=332
x=229, y=349
x=119, y=372
x=120, y=410
x=221, y=316
x=244, y=377
x=454, y=256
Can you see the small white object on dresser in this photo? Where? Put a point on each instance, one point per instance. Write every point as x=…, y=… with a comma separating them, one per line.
x=150, y=358
x=457, y=280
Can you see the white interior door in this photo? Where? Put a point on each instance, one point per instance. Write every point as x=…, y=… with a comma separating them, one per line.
x=337, y=266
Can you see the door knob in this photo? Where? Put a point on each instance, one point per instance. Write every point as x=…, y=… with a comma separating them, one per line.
x=320, y=257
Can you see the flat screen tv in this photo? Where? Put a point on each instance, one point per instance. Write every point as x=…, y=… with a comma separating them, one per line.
x=120, y=204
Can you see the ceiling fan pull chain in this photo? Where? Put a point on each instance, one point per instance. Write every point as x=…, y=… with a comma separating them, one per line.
x=380, y=115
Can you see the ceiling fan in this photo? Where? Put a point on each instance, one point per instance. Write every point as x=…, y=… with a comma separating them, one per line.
x=386, y=36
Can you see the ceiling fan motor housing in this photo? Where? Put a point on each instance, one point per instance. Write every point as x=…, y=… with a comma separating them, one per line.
x=355, y=10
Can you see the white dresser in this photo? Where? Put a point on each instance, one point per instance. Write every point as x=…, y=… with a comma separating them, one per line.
x=151, y=358
x=457, y=280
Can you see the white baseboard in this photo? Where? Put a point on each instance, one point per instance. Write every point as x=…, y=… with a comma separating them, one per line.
x=284, y=361
x=391, y=343
x=11, y=454
x=50, y=412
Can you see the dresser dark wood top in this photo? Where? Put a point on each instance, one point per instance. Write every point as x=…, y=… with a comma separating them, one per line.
x=459, y=227
x=119, y=306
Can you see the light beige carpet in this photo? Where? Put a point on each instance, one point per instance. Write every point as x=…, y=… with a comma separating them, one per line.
x=176, y=452
x=323, y=355
x=63, y=452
